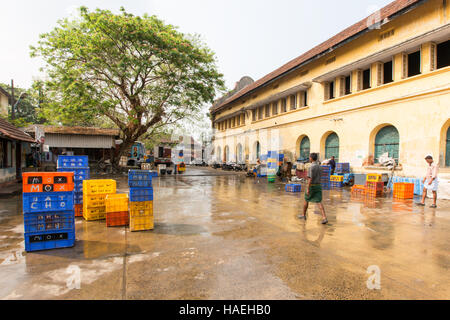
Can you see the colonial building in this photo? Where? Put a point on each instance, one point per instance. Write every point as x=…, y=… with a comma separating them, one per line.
x=381, y=85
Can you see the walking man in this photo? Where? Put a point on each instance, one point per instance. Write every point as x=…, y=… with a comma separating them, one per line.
x=314, y=188
x=332, y=164
x=430, y=182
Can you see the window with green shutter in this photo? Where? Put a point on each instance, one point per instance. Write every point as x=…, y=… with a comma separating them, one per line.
x=387, y=140
x=305, y=148
x=332, y=147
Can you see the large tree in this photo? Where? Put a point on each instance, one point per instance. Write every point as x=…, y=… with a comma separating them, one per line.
x=139, y=72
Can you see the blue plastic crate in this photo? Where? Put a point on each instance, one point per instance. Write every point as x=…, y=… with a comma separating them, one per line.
x=336, y=184
x=342, y=167
x=48, y=240
x=78, y=197
x=326, y=186
x=73, y=162
x=153, y=174
x=141, y=194
x=139, y=178
x=293, y=187
x=49, y=221
x=47, y=202
x=78, y=187
x=80, y=174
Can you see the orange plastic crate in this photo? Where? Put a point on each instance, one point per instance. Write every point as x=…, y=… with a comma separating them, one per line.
x=47, y=181
x=358, y=189
x=117, y=219
x=403, y=190
x=374, y=189
x=78, y=210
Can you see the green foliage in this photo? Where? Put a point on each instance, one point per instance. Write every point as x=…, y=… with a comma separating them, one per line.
x=26, y=111
x=137, y=72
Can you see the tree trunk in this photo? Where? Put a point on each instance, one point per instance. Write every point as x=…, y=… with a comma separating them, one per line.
x=124, y=148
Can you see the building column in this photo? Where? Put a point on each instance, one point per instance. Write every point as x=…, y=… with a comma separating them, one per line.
x=429, y=58
x=400, y=66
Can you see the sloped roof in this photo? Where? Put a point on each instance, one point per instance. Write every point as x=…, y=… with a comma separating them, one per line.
x=4, y=92
x=89, y=131
x=9, y=131
x=386, y=12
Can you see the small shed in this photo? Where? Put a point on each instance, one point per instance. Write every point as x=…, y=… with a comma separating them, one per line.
x=97, y=143
x=14, y=145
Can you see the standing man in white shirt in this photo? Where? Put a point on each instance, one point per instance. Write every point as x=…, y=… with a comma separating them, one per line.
x=430, y=181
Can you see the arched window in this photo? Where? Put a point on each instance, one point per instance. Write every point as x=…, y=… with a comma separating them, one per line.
x=240, y=155
x=387, y=140
x=258, y=150
x=305, y=148
x=447, y=149
x=219, y=154
x=226, y=154
x=332, y=147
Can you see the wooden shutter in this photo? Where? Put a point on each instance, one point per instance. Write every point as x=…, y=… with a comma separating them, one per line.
x=341, y=86
x=404, y=66
x=433, y=56
x=359, y=80
x=380, y=73
x=326, y=95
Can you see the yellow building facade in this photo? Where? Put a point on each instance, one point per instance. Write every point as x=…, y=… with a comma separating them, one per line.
x=380, y=86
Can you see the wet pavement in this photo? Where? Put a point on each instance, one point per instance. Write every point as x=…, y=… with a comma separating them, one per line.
x=225, y=236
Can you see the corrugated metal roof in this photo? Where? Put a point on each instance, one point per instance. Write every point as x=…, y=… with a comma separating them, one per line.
x=89, y=131
x=57, y=140
x=13, y=133
x=386, y=12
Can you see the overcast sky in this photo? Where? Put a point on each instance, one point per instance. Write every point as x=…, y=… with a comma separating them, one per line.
x=249, y=37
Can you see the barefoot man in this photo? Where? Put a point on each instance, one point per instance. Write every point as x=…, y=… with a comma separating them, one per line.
x=314, y=188
x=430, y=182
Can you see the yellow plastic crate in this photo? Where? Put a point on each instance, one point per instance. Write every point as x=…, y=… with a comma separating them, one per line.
x=91, y=214
x=373, y=177
x=141, y=205
x=337, y=178
x=94, y=200
x=116, y=202
x=105, y=186
x=141, y=223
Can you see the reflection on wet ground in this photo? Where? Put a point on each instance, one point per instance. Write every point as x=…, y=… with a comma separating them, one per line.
x=232, y=237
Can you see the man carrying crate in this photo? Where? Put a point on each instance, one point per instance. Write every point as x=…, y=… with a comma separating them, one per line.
x=430, y=182
x=313, y=191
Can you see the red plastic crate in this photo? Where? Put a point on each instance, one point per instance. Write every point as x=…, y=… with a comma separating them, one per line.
x=78, y=210
x=117, y=219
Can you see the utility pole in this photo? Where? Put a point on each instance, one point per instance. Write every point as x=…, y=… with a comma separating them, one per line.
x=13, y=114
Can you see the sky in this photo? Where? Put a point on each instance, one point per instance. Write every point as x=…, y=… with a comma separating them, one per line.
x=249, y=37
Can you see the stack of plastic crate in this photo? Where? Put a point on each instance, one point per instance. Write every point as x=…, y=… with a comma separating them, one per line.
x=293, y=187
x=403, y=190
x=48, y=210
x=342, y=167
x=325, y=177
x=141, y=200
x=94, y=198
x=117, y=214
x=337, y=181
x=272, y=165
x=79, y=165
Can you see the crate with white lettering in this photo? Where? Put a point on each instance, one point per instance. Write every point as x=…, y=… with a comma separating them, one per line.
x=47, y=240
x=47, y=201
x=49, y=221
x=73, y=161
x=80, y=174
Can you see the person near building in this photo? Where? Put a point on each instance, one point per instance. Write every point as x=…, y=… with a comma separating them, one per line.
x=332, y=164
x=430, y=182
x=313, y=191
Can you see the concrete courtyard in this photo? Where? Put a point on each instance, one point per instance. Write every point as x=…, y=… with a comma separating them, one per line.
x=224, y=236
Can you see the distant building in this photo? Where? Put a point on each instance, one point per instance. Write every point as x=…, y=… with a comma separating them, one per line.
x=380, y=86
x=4, y=102
x=97, y=143
x=14, y=145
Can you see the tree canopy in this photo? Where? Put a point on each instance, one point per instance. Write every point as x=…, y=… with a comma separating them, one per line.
x=138, y=72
